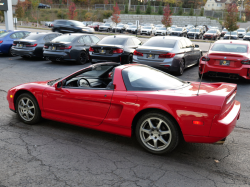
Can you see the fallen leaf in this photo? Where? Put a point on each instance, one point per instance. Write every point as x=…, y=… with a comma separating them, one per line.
x=217, y=161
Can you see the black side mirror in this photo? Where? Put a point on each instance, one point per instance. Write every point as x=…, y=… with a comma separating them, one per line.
x=58, y=86
x=196, y=46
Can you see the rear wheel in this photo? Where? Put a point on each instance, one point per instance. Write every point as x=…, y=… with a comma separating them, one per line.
x=83, y=58
x=157, y=133
x=108, y=30
x=11, y=53
x=130, y=59
x=181, y=67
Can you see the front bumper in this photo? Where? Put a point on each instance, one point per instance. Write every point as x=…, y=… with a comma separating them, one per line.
x=58, y=56
x=225, y=71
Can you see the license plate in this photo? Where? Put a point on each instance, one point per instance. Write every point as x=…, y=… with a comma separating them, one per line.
x=151, y=56
x=102, y=51
x=225, y=62
x=53, y=48
x=19, y=45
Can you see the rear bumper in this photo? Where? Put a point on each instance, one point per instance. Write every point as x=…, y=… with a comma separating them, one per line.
x=243, y=71
x=59, y=56
x=106, y=58
x=23, y=52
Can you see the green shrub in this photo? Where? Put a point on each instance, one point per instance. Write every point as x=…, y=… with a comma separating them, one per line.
x=126, y=8
x=202, y=12
x=191, y=12
x=138, y=10
x=160, y=10
x=148, y=10
x=180, y=11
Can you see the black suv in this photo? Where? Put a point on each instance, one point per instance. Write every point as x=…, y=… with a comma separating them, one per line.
x=71, y=26
x=43, y=6
x=179, y=31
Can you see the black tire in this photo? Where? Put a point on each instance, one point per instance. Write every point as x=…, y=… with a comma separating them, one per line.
x=108, y=30
x=199, y=75
x=130, y=59
x=11, y=53
x=153, y=133
x=198, y=60
x=35, y=111
x=181, y=68
x=82, y=58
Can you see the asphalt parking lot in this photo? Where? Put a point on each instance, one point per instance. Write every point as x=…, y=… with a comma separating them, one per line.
x=58, y=154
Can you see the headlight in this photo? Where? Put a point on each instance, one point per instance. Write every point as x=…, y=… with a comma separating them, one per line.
x=84, y=30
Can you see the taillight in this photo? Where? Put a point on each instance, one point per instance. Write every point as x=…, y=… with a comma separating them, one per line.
x=168, y=55
x=136, y=53
x=1, y=41
x=34, y=45
x=110, y=74
x=69, y=47
x=205, y=58
x=91, y=49
x=118, y=51
x=52, y=25
x=13, y=44
x=247, y=61
x=46, y=47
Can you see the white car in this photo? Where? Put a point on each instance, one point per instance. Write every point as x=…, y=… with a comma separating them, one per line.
x=162, y=31
x=148, y=30
x=241, y=32
x=157, y=27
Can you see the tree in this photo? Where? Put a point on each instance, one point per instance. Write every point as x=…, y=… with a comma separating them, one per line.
x=231, y=15
x=138, y=10
x=126, y=8
x=167, y=20
x=160, y=11
x=191, y=12
x=202, y=12
x=148, y=11
x=20, y=11
x=72, y=13
x=180, y=11
x=116, y=14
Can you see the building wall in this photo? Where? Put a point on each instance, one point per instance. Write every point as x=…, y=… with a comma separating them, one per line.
x=212, y=5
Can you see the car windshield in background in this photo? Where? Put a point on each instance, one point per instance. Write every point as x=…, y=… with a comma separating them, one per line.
x=33, y=37
x=146, y=27
x=224, y=30
x=132, y=26
x=64, y=38
x=107, y=24
x=120, y=25
x=248, y=34
x=211, y=31
x=3, y=34
x=235, y=48
x=145, y=78
x=232, y=33
x=78, y=23
x=113, y=41
x=195, y=30
x=177, y=29
x=241, y=30
x=159, y=42
x=162, y=28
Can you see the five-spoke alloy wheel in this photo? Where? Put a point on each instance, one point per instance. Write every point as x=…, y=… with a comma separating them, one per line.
x=157, y=133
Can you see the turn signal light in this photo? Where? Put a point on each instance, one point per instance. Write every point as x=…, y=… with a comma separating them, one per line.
x=136, y=53
x=168, y=55
x=66, y=47
x=91, y=49
x=34, y=45
x=205, y=58
x=118, y=51
x=198, y=122
x=245, y=61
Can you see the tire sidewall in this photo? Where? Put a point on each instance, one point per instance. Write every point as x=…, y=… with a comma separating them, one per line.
x=79, y=60
x=173, y=128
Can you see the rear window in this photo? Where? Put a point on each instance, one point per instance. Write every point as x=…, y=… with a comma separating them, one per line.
x=3, y=34
x=234, y=48
x=113, y=41
x=159, y=42
x=141, y=78
x=33, y=37
x=64, y=38
x=211, y=31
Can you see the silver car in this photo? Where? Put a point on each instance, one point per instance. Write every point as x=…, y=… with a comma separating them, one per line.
x=168, y=53
x=242, y=32
x=146, y=30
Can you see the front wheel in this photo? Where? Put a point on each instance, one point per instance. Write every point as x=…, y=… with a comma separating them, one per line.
x=157, y=133
x=28, y=109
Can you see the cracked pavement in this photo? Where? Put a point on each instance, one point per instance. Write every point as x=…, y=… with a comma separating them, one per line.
x=57, y=154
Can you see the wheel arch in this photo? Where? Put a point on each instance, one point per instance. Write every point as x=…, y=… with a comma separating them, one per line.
x=19, y=92
x=147, y=110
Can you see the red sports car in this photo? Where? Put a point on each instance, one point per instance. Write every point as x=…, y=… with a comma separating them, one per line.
x=230, y=59
x=156, y=107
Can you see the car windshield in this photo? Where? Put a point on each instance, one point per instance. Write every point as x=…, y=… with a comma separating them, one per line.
x=159, y=42
x=232, y=33
x=195, y=30
x=113, y=41
x=225, y=30
x=211, y=31
x=107, y=24
x=120, y=25
x=248, y=34
x=132, y=26
x=226, y=47
x=146, y=27
x=3, y=34
x=33, y=37
x=177, y=29
x=241, y=30
x=64, y=38
x=78, y=23
x=145, y=78
x=162, y=28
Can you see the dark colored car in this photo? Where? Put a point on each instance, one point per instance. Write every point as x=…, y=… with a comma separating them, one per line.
x=119, y=28
x=168, y=53
x=195, y=33
x=70, y=26
x=247, y=36
x=95, y=25
x=7, y=38
x=179, y=31
x=232, y=35
x=32, y=45
x=41, y=5
x=69, y=47
x=118, y=48
x=106, y=27
x=212, y=34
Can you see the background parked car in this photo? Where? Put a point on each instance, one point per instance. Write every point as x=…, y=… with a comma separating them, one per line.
x=95, y=25
x=212, y=34
x=195, y=33
x=241, y=32
x=70, y=26
x=119, y=28
x=118, y=48
x=146, y=30
x=223, y=32
x=168, y=53
x=106, y=27
x=70, y=47
x=133, y=29
x=48, y=24
x=87, y=23
x=247, y=36
x=32, y=45
x=41, y=5
x=231, y=35
x=162, y=31
x=7, y=38
x=179, y=31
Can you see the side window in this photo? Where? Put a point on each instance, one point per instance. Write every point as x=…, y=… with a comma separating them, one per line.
x=189, y=43
x=26, y=33
x=87, y=40
x=95, y=39
x=184, y=45
x=46, y=38
x=52, y=36
x=68, y=23
x=130, y=42
x=20, y=35
x=81, y=41
x=136, y=41
x=13, y=36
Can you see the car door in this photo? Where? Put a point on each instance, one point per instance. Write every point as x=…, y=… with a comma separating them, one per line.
x=81, y=106
x=193, y=52
x=187, y=52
